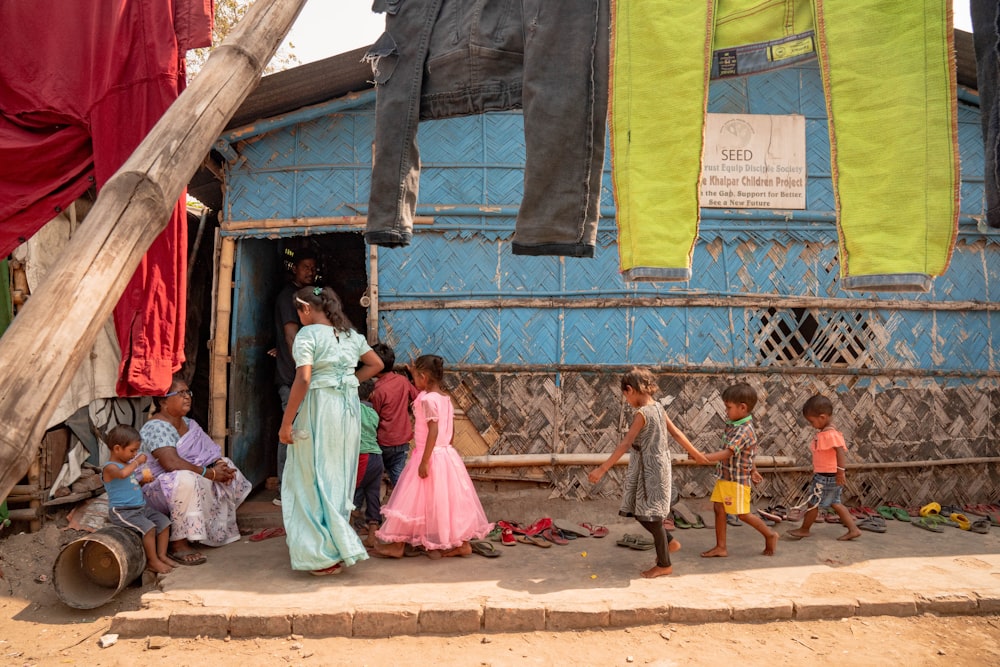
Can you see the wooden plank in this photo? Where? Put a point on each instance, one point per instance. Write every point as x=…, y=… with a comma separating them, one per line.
x=41, y=353
x=532, y=460
x=294, y=225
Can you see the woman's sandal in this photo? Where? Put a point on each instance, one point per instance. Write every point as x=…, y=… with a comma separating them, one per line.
x=188, y=557
x=336, y=568
x=267, y=533
x=553, y=536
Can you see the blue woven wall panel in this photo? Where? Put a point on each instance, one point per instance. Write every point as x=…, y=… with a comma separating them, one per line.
x=656, y=336
x=710, y=337
x=459, y=335
x=529, y=336
x=594, y=336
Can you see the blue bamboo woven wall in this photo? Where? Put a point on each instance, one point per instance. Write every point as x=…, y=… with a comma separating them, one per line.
x=510, y=312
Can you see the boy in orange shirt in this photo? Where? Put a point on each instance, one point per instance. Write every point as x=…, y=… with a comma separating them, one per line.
x=829, y=451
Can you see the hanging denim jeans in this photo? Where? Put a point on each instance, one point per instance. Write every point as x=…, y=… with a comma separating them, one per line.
x=894, y=153
x=446, y=58
x=985, y=29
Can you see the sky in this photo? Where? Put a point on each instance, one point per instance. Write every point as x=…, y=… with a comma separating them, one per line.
x=326, y=28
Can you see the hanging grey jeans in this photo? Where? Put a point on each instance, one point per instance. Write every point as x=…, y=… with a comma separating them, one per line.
x=446, y=58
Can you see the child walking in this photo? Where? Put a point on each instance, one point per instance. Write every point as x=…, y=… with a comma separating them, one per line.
x=126, y=505
x=322, y=425
x=736, y=470
x=434, y=505
x=829, y=454
x=647, y=492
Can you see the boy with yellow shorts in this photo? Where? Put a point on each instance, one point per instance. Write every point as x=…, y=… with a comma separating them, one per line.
x=735, y=466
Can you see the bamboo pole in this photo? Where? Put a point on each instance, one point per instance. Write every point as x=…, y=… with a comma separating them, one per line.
x=43, y=347
x=529, y=460
x=889, y=465
x=218, y=383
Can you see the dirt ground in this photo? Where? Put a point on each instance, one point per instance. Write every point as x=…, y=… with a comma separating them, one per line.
x=36, y=628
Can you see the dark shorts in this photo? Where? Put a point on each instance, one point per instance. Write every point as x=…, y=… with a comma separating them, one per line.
x=139, y=519
x=823, y=492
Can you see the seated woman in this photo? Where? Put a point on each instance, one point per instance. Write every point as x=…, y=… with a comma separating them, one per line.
x=193, y=483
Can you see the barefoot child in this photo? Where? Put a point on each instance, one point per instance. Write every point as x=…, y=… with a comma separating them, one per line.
x=126, y=506
x=646, y=495
x=735, y=465
x=434, y=505
x=829, y=452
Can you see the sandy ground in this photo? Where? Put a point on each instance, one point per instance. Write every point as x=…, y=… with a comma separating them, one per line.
x=37, y=629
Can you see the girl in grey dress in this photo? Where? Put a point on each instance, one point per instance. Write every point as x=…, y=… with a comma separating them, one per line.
x=646, y=494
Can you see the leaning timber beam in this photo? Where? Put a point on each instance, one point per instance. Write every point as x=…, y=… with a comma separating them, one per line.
x=43, y=347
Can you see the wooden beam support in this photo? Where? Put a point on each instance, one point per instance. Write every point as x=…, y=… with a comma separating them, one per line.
x=43, y=347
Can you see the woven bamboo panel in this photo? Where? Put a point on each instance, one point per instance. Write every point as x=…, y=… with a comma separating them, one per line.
x=883, y=420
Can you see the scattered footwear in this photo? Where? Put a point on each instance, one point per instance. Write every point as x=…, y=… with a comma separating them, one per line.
x=733, y=520
x=930, y=508
x=962, y=521
x=637, y=542
x=875, y=524
x=595, y=530
x=494, y=534
x=769, y=515
x=484, y=548
x=267, y=533
x=680, y=521
x=553, y=536
x=539, y=526
x=899, y=513
x=507, y=537
x=533, y=539
x=568, y=528
x=189, y=557
x=692, y=519
x=885, y=512
x=927, y=524
x=981, y=526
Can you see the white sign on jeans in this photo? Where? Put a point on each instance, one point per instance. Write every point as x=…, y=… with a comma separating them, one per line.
x=754, y=161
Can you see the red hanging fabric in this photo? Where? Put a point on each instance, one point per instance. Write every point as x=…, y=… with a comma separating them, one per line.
x=81, y=83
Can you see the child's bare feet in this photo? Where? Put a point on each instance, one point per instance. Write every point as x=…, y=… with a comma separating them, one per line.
x=657, y=571
x=464, y=549
x=715, y=552
x=770, y=543
x=850, y=535
x=158, y=566
x=675, y=545
x=797, y=534
x=389, y=549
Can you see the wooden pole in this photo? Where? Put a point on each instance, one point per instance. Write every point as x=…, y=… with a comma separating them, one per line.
x=529, y=460
x=43, y=347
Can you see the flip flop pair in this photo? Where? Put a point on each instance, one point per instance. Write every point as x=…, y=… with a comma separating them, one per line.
x=636, y=542
x=484, y=548
x=534, y=539
x=267, y=533
x=927, y=523
x=685, y=518
x=875, y=524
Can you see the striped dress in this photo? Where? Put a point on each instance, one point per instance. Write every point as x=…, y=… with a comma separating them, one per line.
x=646, y=495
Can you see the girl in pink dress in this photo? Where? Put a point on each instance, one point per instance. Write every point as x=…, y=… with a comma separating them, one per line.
x=434, y=504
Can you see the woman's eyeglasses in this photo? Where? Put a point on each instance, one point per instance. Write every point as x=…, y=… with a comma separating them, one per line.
x=182, y=392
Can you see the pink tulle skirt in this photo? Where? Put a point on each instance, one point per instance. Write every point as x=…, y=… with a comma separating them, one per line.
x=440, y=511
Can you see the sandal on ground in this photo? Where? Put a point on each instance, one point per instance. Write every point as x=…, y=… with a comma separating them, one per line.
x=981, y=526
x=188, y=557
x=533, y=539
x=684, y=513
x=680, y=521
x=267, y=533
x=875, y=524
x=733, y=520
x=930, y=508
x=927, y=524
x=553, y=536
x=885, y=512
x=595, y=530
x=769, y=515
x=962, y=520
x=568, y=527
x=539, y=526
x=637, y=542
x=899, y=513
x=484, y=548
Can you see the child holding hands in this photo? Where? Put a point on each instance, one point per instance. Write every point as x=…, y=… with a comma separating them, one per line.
x=647, y=492
x=829, y=452
x=127, y=507
x=736, y=469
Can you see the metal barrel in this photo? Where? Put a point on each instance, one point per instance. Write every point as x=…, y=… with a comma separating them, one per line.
x=91, y=570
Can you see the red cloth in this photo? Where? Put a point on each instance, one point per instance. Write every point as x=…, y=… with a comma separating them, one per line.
x=81, y=83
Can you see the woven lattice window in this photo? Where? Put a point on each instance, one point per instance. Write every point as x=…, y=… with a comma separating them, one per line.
x=809, y=337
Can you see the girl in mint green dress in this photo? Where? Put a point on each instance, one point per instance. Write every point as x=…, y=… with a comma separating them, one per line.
x=322, y=428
